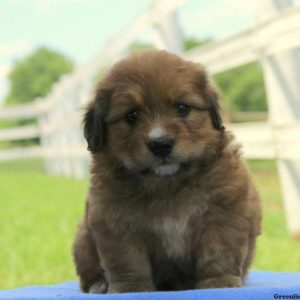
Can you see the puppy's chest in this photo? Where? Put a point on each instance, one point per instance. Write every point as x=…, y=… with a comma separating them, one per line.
x=175, y=232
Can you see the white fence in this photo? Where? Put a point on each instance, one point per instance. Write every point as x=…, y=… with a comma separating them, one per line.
x=272, y=41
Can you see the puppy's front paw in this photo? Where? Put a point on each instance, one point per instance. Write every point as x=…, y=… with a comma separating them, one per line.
x=130, y=287
x=223, y=281
x=99, y=287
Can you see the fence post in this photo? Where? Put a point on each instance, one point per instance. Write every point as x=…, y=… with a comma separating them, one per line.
x=168, y=34
x=282, y=77
x=81, y=97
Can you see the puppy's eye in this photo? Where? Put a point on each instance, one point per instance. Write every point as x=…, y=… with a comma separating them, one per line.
x=132, y=117
x=182, y=109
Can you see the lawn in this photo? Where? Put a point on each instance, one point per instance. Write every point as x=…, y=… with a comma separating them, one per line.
x=38, y=222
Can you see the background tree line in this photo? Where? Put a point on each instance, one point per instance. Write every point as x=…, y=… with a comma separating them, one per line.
x=242, y=88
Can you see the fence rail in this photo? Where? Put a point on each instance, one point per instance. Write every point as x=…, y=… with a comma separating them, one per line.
x=23, y=111
x=19, y=133
x=21, y=153
x=61, y=110
x=272, y=41
x=274, y=35
x=259, y=140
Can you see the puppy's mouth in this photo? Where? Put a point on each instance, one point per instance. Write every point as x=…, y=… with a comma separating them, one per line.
x=166, y=169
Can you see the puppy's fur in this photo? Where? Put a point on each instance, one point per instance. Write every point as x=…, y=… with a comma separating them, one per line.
x=188, y=220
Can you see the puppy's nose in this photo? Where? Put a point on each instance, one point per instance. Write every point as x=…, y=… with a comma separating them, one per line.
x=161, y=146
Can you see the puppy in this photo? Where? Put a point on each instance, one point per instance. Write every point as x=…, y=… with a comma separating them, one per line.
x=171, y=205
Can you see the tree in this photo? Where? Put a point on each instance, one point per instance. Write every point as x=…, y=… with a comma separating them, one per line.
x=243, y=88
x=137, y=45
x=34, y=75
x=191, y=42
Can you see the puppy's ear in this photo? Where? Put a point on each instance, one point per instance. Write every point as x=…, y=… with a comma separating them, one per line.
x=211, y=95
x=213, y=99
x=93, y=124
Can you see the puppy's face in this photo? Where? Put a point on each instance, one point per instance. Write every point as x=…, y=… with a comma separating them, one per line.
x=154, y=114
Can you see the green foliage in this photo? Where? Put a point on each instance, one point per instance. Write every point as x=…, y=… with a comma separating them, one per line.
x=191, y=42
x=139, y=45
x=34, y=76
x=243, y=88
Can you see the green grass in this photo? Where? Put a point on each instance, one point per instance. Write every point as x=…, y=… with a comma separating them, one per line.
x=276, y=250
x=38, y=222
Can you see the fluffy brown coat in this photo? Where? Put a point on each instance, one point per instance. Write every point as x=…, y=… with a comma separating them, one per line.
x=187, y=220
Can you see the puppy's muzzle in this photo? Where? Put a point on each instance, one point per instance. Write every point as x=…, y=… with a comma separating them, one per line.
x=162, y=146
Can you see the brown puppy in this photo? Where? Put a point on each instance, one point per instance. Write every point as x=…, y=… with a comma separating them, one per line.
x=171, y=205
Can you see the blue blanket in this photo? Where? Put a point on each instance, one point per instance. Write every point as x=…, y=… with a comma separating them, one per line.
x=260, y=285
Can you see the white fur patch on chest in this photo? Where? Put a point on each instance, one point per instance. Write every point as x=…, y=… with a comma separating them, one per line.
x=174, y=230
x=173, y=233
x=174, y=236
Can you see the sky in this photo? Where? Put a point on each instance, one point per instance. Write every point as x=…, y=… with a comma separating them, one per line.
x=79, y=28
